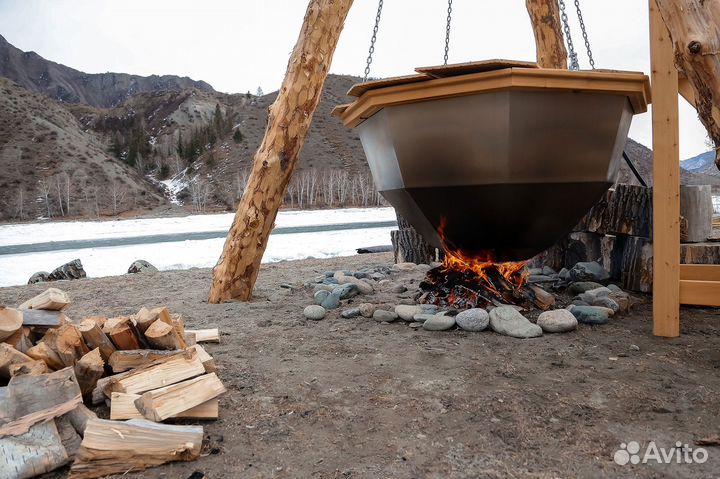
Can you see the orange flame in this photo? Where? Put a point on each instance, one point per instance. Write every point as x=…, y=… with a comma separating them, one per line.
x=456, y=260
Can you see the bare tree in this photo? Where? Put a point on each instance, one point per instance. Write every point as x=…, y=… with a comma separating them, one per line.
x=45, y=188
x=199, y=193
x=117, y=192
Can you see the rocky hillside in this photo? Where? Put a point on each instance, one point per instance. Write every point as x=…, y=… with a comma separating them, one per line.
x=67, y=85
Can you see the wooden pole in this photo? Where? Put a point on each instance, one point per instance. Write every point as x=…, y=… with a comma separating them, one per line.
x=666, y=179
x=545, y=19
x=694, y=27
x=288, y=122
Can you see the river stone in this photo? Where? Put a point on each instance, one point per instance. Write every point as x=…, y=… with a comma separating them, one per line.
x=548, y=271
x=606, y=302
x=407, y=312
x=314, y=312
x=557, y=321
x=39, y=277
x=366, y=309
x=615, y=288
x=428, y=308
x=564, y=273
x=332, y=300
x=598, y=292
x=589, y=315
x=70, y=270
x=362, y=286
x=422, y=317
x=423, y=268
x=323, y=287
x=589, y=271
x=397, y=288
x=381, y=315
x=320, y=296
x=475, y=319
x=141, y=266
x=508, y=321
x=377, y=276
x=350, y=313
x=415, y=325
x=438, y=322
x=403, y=266
x=346, y=290
x=580, y=287
x=539, y=278
x=622, y=299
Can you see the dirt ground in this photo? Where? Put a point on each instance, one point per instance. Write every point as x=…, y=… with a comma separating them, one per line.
x=353, y=398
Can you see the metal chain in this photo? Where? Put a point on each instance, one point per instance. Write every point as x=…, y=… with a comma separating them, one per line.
x=447, y=31
x=584, y=34
x=574, y=65
x=371, y=50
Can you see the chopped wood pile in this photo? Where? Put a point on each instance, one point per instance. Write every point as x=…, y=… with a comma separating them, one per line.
x=147, y=368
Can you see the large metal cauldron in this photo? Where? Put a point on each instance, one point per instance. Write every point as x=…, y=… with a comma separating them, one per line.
x=508, y=169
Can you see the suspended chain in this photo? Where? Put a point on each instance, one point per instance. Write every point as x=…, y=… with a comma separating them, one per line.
x=371, y=50
x=447, y=31
x=568, y=38
x=584, y=34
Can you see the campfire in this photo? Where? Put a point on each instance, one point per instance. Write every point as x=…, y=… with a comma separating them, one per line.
x=476, y=281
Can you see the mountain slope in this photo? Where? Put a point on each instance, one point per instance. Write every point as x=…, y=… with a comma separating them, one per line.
x=65, y=84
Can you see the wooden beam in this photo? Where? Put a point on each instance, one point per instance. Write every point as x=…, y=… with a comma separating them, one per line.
x=289, y=120
x=549, y=45
x=700, y=272
x=705, y=293
x=666, y=178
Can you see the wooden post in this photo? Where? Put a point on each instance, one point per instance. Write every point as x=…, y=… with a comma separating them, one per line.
x=666, y=179
x=545, y=20
x=288, y=122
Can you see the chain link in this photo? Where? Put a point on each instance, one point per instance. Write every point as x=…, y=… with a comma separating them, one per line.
x=447, y=31
x=371, y=50
x=568, y=38
x=584, y=34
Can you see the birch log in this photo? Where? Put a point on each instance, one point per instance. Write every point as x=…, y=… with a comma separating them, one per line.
x=288, y=122
x=694, y=27
x=545, y=19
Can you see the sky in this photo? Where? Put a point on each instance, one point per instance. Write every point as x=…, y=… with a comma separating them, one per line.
x=240, y=45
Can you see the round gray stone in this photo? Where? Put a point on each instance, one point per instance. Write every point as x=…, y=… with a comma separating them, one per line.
x=606, y=302
x=381, y=315
x=314, y=312
x=422, y=317
x=367, y=309
x=508, y=321
x=320, y=296
x=589, y=314
x=350, y=313
x=407, y=312
x=588, y=271
x=438, y=322
x=475, y=319
x=332, y=301
x=141, y=266
x=557, y=321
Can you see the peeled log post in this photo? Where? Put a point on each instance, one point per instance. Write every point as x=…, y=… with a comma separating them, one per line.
x=694, y=27
x=288, y=122
x=545, y=19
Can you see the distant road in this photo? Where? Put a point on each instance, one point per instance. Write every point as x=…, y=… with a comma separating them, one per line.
x=167, y=238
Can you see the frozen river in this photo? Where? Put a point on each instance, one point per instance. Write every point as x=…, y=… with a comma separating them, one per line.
x=107, y=248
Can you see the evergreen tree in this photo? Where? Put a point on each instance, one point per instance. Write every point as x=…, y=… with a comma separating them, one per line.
x=237, y=136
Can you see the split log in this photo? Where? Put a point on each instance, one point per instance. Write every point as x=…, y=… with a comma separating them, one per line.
x=33, y=453
x=20, y=340
x=207, y=360
x=11, y=320
x=637, y=265
x=549, y=45
x=88, y=370
x=34, y=399
x=122, y=332
x=125, y=360
x=612, y=249
x=169, y=401
x=696, y=210
x=99, y=320
x=99, y=395
x=95, y=338
x=79, y=417
x=206, y=335
x=42, y=352
x=162, y=372
x=408, y=245
x=626, y=210
x=67, y=342
x=10, y=356
x=695, y=33
x=179, y=324
x=111, y=447
x=52, y=299
x=145, y=317
x=43, y=318
x=289, y=120
x=32, y=367
x=161, y=335
x=190, y=338
x=700, y=253
x=122, y=406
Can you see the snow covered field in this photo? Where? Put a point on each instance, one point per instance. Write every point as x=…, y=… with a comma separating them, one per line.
x=15, y=269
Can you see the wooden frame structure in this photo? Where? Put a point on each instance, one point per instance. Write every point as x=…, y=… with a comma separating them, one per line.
x=673, y=283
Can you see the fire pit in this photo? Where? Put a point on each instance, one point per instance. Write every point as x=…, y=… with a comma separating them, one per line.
x=507, y=159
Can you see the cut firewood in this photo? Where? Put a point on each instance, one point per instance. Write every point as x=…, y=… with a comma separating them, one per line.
x=111, y=447
x=122, y=332
x=98, y=395
x=41, y=351
x=162, y=372
x=190, y=339
x=179, y=325
x=43, y=318
x=10, y=356
x=206, y=335
x=52, y=299
x=20, y=340
x=122, y=406
x=79, y=417
x=67, y=342
x=35, y=452
x=169, y=401
x=145, y=317
x=207, y=360
x=99, y=320
x=68, y=436
x=32, y=367
x=88, y=370
x=124, y=360
x=164, y=336
x=94, y=337
x=11, y=321
x=34, y=399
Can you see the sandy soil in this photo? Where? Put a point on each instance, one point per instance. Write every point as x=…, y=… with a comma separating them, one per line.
x=344, y=398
